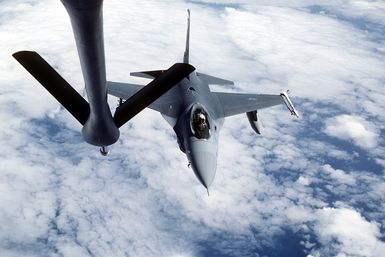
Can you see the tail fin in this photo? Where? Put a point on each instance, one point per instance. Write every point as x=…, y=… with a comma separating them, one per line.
x=186, y=56
x=55, y=84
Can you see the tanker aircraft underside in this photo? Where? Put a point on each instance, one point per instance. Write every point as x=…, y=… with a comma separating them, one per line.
x=100, y=128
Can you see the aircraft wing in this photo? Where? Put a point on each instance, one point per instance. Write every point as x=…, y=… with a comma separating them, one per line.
x=122, y=90
x=164, y=104
x=234, y=103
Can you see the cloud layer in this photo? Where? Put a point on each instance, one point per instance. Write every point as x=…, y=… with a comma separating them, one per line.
x=316, y=182
x=352, y=128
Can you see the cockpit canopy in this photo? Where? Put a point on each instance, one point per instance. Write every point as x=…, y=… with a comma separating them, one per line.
x=200, y=125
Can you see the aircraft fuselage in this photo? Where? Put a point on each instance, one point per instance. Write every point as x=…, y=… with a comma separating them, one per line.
x=197, y=127
x=197, y=114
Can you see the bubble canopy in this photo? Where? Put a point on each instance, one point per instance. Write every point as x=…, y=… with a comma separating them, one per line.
x=200, y=122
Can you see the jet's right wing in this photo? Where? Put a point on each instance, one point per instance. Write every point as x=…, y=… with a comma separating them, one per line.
x=234, y=103
x=164, y=104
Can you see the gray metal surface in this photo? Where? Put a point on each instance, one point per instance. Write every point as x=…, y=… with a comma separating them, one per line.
x=198, y=141
x=87, y=24
x=99, y=127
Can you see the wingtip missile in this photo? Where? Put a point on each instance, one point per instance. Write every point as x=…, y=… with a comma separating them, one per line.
x=289, y=104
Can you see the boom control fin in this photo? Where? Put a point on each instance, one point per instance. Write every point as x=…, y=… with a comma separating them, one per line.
x=55, y=84
x=151, y=92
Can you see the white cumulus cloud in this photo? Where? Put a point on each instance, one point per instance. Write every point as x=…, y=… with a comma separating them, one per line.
x=352, y=128
x=349, y=232
x=58, y=197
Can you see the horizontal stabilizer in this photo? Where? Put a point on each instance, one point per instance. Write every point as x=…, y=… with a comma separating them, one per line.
x=211, y=80
x=151, y=92
x=55, y=84
x=147, y=74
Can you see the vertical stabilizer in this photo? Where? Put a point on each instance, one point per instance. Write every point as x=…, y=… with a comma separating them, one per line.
x=187, y=50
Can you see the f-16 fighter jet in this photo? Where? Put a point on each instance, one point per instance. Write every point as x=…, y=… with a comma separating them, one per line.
x=197, y=114
x=100, y=128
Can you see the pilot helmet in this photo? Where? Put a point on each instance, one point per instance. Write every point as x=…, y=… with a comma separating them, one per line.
x=201, y=117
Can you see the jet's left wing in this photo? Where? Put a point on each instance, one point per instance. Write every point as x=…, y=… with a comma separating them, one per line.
x=164, y=104
x=234, y=103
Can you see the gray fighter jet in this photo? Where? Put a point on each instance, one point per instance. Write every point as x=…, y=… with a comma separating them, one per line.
x=99, y=127
x=197, y=114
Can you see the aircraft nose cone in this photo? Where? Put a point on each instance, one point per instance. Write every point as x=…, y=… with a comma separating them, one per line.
x=204, y=165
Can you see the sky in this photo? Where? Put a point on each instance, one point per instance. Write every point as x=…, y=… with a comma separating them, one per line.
x=313, y=186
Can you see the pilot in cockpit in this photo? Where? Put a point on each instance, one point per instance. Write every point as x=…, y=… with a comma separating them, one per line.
x=201, y=118
x=200, y=124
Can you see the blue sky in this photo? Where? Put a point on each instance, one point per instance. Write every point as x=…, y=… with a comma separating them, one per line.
x=312, y=186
